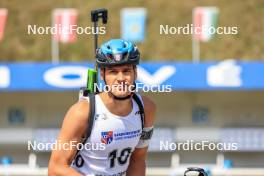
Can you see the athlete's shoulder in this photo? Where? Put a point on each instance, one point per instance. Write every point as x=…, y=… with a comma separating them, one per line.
x=75, y=121
x=80, y=109
x=150, y=111
x=148, y=103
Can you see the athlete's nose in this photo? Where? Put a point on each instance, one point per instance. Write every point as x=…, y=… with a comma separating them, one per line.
x=120, y=76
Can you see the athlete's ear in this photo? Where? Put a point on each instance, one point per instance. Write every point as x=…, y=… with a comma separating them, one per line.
x=102, y=72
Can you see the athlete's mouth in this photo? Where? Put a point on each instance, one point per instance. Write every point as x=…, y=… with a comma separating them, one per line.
x=122, y=86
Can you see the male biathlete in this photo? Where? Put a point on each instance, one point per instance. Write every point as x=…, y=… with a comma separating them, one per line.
x=119, y=118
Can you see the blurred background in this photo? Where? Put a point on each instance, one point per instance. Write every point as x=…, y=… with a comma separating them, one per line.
x=217, y=80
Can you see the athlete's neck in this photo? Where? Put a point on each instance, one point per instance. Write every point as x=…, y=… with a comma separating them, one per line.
x=118, y=107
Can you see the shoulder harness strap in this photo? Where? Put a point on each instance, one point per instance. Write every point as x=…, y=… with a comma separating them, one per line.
x=141, y=109
x=90, y=120
x=91, y=114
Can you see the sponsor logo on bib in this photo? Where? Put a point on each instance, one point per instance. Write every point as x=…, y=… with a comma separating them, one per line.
x=107, y=137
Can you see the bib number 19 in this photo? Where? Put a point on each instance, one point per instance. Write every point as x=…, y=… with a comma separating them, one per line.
x=122, y=159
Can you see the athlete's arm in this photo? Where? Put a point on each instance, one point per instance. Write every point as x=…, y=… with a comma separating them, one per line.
x=73, y=128
x=137, y=165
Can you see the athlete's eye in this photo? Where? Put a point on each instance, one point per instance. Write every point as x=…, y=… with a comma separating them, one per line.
x=112, y=71
x=127, y=71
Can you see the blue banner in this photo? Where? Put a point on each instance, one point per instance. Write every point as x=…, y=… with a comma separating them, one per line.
x=225, y=75
x=133, y=24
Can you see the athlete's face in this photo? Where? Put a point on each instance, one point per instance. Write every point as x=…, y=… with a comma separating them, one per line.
x=120, y=79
